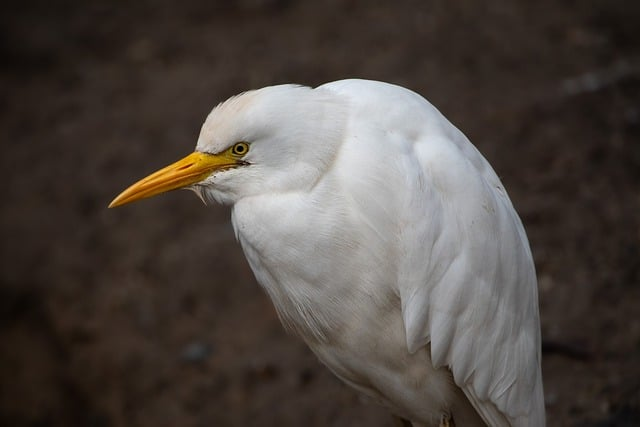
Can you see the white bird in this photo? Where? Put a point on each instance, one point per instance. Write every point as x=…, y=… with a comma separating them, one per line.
x=385, y=241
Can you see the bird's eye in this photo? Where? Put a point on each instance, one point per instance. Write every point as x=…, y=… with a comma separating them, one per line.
x=240, y=148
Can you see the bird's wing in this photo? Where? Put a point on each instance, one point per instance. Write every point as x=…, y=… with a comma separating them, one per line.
x=467, y=281
x=466, y=277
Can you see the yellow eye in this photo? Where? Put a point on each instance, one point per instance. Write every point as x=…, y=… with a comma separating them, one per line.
x=240, y=149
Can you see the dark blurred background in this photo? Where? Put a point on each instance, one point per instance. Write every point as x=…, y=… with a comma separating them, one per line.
x=149, y=316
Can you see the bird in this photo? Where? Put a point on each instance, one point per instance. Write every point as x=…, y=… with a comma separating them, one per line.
x=385, y=241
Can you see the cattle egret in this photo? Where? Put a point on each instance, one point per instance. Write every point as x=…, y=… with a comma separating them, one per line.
x=385, y=241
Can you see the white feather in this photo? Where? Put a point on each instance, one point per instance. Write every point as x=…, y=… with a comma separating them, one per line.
x=387, y=242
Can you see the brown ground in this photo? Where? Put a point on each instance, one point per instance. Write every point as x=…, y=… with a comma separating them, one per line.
x=149, y=316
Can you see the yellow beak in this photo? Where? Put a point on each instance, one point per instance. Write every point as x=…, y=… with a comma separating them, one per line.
x=187, y=171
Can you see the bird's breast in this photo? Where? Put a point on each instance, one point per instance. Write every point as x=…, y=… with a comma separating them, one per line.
x=318, y=270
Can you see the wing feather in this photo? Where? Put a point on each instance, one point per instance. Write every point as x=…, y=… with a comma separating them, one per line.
x=466, y=278
x=475, y=298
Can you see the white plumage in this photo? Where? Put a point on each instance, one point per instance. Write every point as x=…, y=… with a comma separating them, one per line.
x=385, y=241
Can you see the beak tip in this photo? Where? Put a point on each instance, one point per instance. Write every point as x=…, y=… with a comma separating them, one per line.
x=115, y=202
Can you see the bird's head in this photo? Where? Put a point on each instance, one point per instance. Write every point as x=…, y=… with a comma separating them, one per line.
x=276, y=139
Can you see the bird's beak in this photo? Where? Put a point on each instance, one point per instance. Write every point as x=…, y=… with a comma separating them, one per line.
x=187, y=171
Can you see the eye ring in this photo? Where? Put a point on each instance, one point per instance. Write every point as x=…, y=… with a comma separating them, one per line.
x=240, y=148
